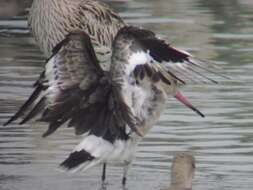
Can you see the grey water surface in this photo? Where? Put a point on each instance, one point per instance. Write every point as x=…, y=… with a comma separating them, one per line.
x=219, y=31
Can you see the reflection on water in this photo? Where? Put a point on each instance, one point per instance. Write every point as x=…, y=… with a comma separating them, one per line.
x=223, y=142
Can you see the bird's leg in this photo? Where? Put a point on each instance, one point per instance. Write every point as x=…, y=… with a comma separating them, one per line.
x=103, y=187
x=126, y=168
x=104, y=173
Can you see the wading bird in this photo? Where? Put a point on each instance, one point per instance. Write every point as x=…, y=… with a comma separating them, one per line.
x=115, y=108
x=182, y=171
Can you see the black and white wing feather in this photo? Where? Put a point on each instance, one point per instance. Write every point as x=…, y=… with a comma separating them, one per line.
x=182, y=65
x=74, y=89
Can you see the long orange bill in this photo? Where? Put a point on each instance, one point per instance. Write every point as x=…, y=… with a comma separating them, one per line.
x=183, y=100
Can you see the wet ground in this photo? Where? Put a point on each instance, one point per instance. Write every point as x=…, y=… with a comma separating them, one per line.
x=220, y=31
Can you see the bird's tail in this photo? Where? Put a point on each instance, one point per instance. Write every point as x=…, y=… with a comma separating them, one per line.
x=91, y=151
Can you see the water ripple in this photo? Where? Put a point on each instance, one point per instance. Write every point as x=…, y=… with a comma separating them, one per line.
x=222, y=141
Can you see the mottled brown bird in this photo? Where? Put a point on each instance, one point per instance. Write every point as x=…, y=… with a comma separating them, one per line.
x=51, y=20
x=182, y=171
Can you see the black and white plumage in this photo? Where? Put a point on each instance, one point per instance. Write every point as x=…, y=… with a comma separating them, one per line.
x=113, y=109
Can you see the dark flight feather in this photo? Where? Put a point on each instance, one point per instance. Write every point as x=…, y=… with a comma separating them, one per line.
x=170, y=57
x=26, y=105
x=76, y=158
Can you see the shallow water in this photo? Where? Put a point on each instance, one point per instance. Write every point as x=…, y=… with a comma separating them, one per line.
x=216, y=30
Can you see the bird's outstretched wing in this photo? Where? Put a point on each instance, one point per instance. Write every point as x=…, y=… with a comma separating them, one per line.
x=74, y=89
x=180, y=64
x=144, y=56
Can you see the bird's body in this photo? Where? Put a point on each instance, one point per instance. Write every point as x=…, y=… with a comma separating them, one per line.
x=182, y=171
x=141, y=87
x=51, y=20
